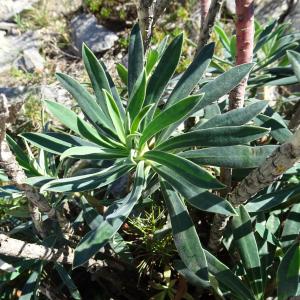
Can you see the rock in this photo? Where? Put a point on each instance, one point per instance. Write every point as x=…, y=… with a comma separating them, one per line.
x=14, y=94
x=56, y=92
x=84, y=28
x=63, y=7
x=295, y=17
x=13, y=46
x=33, y=61
x=9, y=8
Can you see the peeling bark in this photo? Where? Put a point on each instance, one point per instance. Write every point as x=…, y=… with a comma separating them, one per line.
x=209, y=22
x=282, y=159
x=244, y=45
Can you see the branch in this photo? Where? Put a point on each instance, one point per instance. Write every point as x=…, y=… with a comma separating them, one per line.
x=17, y=248
x=145, y=10
x=282, y=159
x=204, y=8
x=208, y=25
x=244, y=44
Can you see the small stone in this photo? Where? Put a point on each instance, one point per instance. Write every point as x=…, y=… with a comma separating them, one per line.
x=56, y=93
x=14, y=46
x=14, y=94
x=230, y=6
x=85, y=29
x=9, y=8
x=33, y=60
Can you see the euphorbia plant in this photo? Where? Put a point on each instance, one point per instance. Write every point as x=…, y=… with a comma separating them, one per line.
x=139, y=137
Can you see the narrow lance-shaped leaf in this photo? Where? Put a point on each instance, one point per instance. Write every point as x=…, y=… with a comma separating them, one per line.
x=87, y=152
x=194, y=195
x=115, y=116
x=185, y=236
x=236, y=117
x=176, y=112
x=294, y=58
x=291, y=227
x=76, y=124
x=97, y=76
x=220, y=136
x=139, y=118
x=288, y=273
x=135, y=57
x=54, y=142
x=162, y=74
x=185, y=168
x=90, y=181
x=137, y=97
x=116, y=215
x=123, y=73
x=86, y=102
x=238, y=156
x=247, y=247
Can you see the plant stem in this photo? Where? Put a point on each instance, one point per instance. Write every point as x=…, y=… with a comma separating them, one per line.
x=204, y=8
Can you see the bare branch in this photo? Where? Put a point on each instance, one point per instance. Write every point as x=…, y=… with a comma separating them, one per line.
x=17, y=248
x=145, y=9
x=208, y=25
x=204, y=8
x=282, y=159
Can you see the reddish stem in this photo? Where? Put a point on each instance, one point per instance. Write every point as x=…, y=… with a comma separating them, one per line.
x=244, y=44
x=204, y=8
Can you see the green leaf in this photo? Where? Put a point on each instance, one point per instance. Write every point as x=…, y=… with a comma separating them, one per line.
x=114, y=91
x=76, y=124
x=21, y=157
x=225, y=276
x=291, y=227
x=223, y=37
x=188, y=81
x=30, y=287
x=246, y=245
x=294, y=58
x=236, y=117
x=265, y=36
x=115, y=116
x=239, y=157
x=223, y=84
x=279, y=130
x=185, y=236
x=38, y=181
x=135, y=57
x=152, y=58
x=137, y=97
x=116, y=215
x=174, y=113
x=139, y=118
x=283, y=81
x=220, y=136
x=97, y=76
x=196, y=196
x=67, y=280
x=288, y=273
x=54, y=142
x=90, y=181
x=88, y=152
x=123, y=73
x=86, y=102
x=267, y=202
x=163, y=72
x=185, y=168
x=192, y=75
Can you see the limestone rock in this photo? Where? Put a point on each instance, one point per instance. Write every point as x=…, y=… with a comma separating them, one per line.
x=84, y=28
x=9, y=8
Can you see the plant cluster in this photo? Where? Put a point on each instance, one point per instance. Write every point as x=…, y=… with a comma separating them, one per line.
x=126, y=152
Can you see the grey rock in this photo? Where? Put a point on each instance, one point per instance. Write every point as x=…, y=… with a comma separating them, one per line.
x=295, y=17
x=14, y=46
x=9, y=8
x=85, y=29
x=14, y=94
x=33, y=60
x=56, y=93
